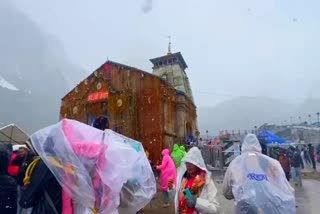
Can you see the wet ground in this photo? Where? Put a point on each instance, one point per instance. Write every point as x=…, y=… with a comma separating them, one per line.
x=307, y=199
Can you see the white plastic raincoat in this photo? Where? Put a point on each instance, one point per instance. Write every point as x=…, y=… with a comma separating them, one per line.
x=98, y=170
x=206, y=202
x=257, y=182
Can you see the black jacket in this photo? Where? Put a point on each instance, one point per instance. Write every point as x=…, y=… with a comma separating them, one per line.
x=311, y=151
x=23, y=164
x=8, y=186
x=8, y=195
x=296, y=161
x=33, y=195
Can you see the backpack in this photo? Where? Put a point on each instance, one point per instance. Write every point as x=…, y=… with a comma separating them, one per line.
x=40, y=208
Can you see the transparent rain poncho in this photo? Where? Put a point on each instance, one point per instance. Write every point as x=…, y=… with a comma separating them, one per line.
x=257, y=182
x=96, y=169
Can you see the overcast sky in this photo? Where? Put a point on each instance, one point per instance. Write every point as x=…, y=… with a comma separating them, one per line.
x=232, y=47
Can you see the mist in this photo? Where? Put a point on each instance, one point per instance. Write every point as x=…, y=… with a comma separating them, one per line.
x=147, y=6
x=34, y=71
x=234, y=49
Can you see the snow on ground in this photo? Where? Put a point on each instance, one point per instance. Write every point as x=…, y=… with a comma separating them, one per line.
x=5, y=84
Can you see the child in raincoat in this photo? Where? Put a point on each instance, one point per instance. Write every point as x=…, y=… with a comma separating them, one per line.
x=168, y=172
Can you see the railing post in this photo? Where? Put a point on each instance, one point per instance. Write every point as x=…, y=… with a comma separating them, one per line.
x=211, y=156
x=221, y=159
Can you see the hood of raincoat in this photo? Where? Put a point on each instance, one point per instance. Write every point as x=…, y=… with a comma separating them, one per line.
x=194, y=157
x=165, y=152
x=183, y=148
x=251, y=144
x=175, y=147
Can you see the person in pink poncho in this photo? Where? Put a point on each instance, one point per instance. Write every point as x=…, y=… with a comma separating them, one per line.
x=168, y=172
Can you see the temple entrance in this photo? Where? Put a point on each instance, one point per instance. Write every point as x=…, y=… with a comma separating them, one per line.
x=188, y=129
x=101, y=122
x=97, y=114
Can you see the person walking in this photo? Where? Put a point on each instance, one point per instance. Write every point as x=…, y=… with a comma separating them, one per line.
x=312, y=156
x=176, y=155
x=306, y=156
x=284, y=160
x=168, y=172
x=195, y=192
x=257, y=182
x=297, y=165
x=318, y=153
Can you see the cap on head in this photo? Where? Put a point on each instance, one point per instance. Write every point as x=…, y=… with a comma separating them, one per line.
x=18, y=147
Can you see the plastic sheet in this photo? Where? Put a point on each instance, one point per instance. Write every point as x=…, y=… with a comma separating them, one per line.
x=257, y=182
x=94, y=166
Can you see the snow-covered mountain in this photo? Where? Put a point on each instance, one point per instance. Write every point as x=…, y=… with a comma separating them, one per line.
x=245, y=113
x=34, y=71
x=5, y=84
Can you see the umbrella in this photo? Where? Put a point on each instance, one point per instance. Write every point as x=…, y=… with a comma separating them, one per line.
x=13, y=134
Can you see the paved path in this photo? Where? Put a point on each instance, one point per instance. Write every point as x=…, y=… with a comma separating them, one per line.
x=307, y=199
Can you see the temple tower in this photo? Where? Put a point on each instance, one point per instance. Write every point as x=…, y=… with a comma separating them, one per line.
x=171, y=67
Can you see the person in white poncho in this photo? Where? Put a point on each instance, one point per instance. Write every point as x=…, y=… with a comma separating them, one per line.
x=195, y=192
x=257, y=182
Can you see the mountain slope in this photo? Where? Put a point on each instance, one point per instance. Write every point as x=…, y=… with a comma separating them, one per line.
x=34, y=72
x=243, y=113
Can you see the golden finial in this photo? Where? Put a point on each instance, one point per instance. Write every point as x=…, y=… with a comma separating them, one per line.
x=169, y=45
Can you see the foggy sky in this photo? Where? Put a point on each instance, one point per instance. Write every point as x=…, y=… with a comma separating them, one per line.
x=233, y=48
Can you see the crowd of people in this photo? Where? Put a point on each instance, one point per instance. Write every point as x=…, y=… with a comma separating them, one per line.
x=18, y=193
x=294, y=159
x=36, y=182
x=256, y=182
x=185, y=178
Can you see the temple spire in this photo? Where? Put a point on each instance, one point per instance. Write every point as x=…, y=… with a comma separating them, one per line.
x=169, y=46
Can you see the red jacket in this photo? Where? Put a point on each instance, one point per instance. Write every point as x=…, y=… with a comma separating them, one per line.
x=13, y=170
x=285, y=163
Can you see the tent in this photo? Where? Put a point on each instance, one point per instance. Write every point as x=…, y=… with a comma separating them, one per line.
x=269, y=138
x=13, y=134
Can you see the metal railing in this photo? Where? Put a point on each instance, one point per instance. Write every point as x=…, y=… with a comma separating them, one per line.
x=218, y=157
x=213, y=156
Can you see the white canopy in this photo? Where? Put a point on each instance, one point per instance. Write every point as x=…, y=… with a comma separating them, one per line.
x=13, y=134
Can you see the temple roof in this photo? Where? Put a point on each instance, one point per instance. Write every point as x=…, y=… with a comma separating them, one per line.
x=169, y=59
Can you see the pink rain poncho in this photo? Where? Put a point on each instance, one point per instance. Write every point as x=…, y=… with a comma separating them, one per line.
x=99, y=171
x=168, y=170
